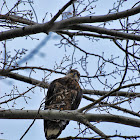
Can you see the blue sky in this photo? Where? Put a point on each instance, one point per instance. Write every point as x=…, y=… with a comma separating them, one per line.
x=46, y=54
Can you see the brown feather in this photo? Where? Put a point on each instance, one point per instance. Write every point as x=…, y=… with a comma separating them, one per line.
x=63, y=94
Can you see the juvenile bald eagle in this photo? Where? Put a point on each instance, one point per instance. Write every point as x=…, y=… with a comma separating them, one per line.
x=63, y=94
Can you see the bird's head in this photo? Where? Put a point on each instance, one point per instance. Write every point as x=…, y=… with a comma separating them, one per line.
x=73, y=74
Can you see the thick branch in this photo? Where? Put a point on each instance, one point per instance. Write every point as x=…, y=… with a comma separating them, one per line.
x=46, y=85
x=102, y=18
x=101, y=30
x=118, y=93
x=70, y=115
x=38, y=28
x=24, y=78
x=19, y=32
x=95, y=138
x=14, y=18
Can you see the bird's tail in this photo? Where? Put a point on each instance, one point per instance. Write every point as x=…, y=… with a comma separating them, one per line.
x=53, y=129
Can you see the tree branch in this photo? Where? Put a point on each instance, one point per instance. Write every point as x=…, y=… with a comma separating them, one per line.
x=94, y=128
x=106, y=95
x=102, y=18
x=43, y=84
x=24, y=78
x=117, y=93
x=14, y=18
x=102, y=104
x=101, y=30
x=33, y=29
x=66, y=114
x=95, y=138
x=71, y=34
x=20, y=95
x=61, y=11
x=38, y=28
x=119, y=46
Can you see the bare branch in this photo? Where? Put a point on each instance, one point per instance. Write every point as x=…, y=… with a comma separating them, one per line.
x=101, y=30
x=46, y=85
x=115, y=72
x=113, y=106
x=119, y=46
x=61, y=11
x=14, y=18
x=106, y=95
x=50, y=23
x=95, y=138
x=71, y=34
x=24, y=78
x=20, y=95
x=38, y=28
x=70, y=115
x=102, y=18
x=94, y=128
x=118, y=93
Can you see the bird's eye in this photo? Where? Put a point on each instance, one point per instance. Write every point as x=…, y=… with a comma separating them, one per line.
x=71, y=71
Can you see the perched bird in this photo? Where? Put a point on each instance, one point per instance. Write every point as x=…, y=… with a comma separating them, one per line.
x=63, y=94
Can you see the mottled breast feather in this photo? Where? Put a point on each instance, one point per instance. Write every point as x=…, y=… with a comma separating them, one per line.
x=63, y=94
